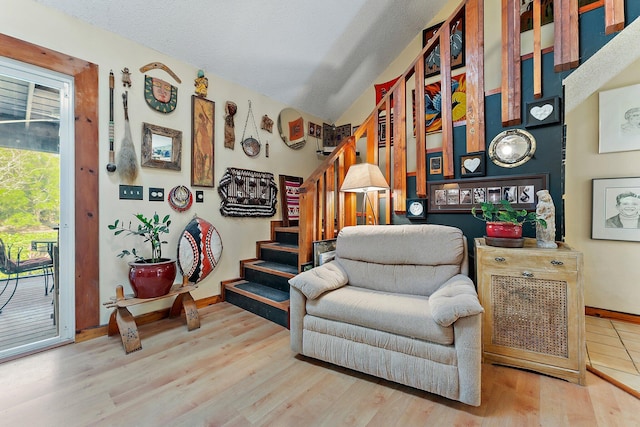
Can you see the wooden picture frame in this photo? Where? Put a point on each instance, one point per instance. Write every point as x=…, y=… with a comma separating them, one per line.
x=473, y=164
x=161, y=147
x=432, y=59
x=202, y=142
x=542, y=112
x=459, y=196
x=619, y=120
x=435, y=165
x=610, y=197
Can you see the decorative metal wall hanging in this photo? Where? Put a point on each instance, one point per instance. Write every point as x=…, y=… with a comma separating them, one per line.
x=180, y=198
x=250, y=145
x=247, y=193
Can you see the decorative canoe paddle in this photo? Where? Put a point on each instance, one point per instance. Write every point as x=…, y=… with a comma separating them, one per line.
x=111, y=166
x=127, y=160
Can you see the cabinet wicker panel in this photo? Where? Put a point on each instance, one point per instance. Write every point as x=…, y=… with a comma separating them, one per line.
x=534, y=311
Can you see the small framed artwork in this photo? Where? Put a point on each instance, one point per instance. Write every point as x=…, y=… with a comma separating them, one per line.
x=161, y=147
x=202, y=147
x=472, y=164
x=323, y=251
x=312, y=129
x=620, y=119
x=543, y=112
x=616, y=209
x=435, y=165
x=432, y=60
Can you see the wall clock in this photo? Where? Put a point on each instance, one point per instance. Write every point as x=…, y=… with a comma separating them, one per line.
x=251, y=147
x=416, y=208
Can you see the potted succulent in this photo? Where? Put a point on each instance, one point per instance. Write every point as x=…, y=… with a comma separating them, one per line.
x=503, y=220
x=149, y=277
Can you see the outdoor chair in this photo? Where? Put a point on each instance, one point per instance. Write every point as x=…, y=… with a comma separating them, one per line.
x=13, y=269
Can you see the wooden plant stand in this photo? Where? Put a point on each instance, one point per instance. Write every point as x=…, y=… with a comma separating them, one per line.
x=122, y=321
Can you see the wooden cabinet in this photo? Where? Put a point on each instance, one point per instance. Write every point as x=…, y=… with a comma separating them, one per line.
x=534, y=308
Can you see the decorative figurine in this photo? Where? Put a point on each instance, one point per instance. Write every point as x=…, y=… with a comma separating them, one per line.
x=267, y=124
x=201, y=84
x=230, y=109
x=126, y=77
x=545, y=236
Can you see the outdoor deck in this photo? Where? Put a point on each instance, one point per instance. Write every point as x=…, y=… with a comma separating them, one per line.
x=28, y=316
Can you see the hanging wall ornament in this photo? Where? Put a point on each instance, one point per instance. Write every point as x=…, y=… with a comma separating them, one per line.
x=250, y=145
x=199, y=249
x=180, y=198
x=160, y=95
x=230, y=109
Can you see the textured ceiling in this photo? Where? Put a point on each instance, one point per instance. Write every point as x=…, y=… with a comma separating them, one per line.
x=317, y=56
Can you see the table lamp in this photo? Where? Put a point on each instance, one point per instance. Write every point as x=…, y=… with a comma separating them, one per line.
x=362, y=178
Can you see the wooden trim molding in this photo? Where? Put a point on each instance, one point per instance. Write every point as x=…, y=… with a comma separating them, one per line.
x=85, y=75
x=614, y=315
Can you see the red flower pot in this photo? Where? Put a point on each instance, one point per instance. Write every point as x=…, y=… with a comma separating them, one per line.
x=150, y=280
x=504, y=230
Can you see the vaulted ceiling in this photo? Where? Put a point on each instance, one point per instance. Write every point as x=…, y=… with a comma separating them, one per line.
x=317, y=56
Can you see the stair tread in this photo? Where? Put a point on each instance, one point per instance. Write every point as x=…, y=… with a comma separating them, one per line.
x=261, y=290
x=270, y=265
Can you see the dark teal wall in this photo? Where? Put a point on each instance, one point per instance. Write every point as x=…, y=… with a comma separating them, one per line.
x=548, y=158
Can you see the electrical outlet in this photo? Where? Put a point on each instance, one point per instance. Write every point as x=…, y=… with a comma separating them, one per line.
x=156, y=194
x=131, y=192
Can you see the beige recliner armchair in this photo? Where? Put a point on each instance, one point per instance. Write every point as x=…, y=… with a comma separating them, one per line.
x=396, y=303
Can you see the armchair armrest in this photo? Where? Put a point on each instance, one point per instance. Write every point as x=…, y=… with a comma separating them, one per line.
x=456, y=298
x=313, y=283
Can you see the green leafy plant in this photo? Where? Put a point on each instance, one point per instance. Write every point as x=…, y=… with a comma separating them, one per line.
x=504, y=212
x=150, y=229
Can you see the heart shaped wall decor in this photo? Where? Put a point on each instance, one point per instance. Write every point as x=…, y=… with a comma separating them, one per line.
x=471, y=164
x=542, y=112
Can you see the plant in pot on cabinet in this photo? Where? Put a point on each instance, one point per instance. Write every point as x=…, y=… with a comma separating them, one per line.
x=154, y=276
x=504, y=223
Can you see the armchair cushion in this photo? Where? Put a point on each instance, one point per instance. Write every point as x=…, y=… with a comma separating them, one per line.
x=326, y=277
x=456, y=298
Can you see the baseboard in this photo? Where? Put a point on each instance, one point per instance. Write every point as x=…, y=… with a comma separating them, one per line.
x=614, y=315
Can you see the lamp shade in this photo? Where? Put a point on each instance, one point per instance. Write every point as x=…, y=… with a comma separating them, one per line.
x=363, y=177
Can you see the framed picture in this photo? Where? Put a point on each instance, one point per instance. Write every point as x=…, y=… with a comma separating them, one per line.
x=161, y=147
x=435, y=165
x=323, y=251
x=202, y=148
x=432, y=60
x=526, y=15
x=472, y=164
x=620, y=119
x=432, y=104
x=543, y=112
x=459, y=196
x=312, y=129
x=616, y=209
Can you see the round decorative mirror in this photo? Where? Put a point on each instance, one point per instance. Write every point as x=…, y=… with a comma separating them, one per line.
x=512, y=148
x=291, y=128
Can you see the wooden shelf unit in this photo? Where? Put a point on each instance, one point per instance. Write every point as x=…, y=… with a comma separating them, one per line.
x=534, y=308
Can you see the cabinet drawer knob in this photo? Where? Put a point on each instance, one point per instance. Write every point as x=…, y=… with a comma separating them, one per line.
x=500, y=259
x=527, y=274
x=556, y=262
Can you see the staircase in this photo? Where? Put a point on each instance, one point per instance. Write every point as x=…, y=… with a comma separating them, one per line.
x=263, y=286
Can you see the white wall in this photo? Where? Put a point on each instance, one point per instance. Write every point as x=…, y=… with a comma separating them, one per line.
x=32, y=22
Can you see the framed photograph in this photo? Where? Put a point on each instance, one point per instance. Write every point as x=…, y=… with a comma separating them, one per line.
x=620, y=119
x=472, y=164
x=432, y=60
x=202, y=147
x=323, y=251
x=459, y=196
x=543, y=112
x=312, y=129
x=616, y=209
x=161, y=147
x=435, y=165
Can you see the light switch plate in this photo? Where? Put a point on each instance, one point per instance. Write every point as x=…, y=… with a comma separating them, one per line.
x=199, y=196
x=131, y=192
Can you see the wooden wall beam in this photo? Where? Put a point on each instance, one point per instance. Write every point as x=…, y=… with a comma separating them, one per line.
x=419, y=124
x=445, y=106
x=474, y=45
x=511, y=92
x=537, y=51
x=613, y=16
x=566, y=43
x=399, y=181
x=330, y=202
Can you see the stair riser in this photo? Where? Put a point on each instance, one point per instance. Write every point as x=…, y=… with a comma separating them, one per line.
x=271, y=280
x=263, y=310
x=287, y=237
x=283, y=257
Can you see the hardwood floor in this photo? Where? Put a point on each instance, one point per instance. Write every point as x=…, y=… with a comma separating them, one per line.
x=237, y=370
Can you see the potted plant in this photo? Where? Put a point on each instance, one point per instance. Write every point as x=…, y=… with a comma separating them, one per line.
x=149, y=277
x=503, y=221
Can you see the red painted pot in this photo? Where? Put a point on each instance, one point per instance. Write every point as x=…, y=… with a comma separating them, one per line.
x=504, y=230
x=150, y=280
